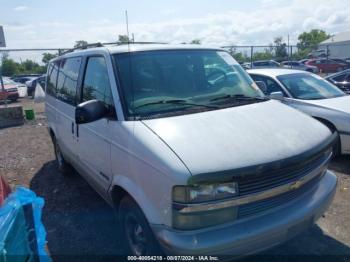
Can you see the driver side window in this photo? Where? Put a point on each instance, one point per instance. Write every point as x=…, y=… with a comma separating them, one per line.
x=96, y=81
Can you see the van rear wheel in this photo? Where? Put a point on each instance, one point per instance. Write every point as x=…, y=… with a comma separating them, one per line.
x=139, y=238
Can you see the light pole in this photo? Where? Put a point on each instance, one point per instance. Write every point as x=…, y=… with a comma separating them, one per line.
x=2, y=44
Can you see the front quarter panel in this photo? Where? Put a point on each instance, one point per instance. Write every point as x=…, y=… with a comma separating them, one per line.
x=144, y=166
x=339, y=119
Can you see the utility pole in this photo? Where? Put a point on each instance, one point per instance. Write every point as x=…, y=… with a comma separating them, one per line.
x=127, y=25
x=2, y=44
x=289, y=51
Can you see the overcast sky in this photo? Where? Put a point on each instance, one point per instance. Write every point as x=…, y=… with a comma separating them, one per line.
x=48, y=23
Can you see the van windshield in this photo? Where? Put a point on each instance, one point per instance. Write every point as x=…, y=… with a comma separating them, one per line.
x=173, y=82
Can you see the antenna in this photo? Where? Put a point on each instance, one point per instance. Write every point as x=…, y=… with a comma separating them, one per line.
x=127, y=25
x=129, y=56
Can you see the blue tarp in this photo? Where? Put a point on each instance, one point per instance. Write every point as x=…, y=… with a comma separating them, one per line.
x=22, y=234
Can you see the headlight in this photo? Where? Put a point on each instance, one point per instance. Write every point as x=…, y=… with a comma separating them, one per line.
x=185, y=196
x=204, y=193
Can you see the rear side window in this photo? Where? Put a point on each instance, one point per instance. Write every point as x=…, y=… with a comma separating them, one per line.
x=52, y=78
x=96, y=81
x=68, y=80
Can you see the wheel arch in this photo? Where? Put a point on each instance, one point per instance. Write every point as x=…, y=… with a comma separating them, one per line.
x=126, y=187
x=337, y=147
x=327, y=123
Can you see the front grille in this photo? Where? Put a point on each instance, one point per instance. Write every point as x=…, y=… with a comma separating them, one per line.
x=261, y=206
x=262, y=182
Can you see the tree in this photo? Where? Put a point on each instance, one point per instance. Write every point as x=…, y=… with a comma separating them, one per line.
x=195, y=42
x=80, y=43
x=123, y=39
x=4, y=55
x=47, y=57
x=239, y=56
x=280, y=48
x=310, y=40
x=266, y=55
x=9, y=67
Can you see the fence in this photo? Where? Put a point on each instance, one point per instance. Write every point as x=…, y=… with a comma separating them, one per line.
x=331, y=53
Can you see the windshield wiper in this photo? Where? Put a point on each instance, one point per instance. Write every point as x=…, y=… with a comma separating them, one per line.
x=176, y=102
x=238, y=97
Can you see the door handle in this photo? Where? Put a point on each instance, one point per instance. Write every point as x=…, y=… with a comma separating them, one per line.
x=72, y=127
x=77, y=127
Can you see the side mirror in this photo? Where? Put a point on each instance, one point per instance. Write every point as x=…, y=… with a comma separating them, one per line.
x=262, y=86
x=90, y=111
x=277, y=95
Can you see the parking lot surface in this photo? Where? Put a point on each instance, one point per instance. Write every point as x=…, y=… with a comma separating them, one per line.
x=79, y=222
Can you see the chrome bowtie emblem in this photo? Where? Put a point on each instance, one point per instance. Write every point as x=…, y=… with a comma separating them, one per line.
x=296, y=184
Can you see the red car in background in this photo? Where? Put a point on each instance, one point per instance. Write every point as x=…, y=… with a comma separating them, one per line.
x=327, y=65
x=10, y=93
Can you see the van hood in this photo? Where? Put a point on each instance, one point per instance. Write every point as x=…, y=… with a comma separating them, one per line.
x=239, y=136
x=338, y=103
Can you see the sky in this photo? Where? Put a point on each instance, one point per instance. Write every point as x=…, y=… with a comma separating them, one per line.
x=58, y=24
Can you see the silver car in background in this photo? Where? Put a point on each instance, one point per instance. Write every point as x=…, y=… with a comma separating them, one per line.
x=311, y=94
x=299, y=66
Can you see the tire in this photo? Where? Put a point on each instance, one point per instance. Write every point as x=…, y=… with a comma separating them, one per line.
x=62, y=165
x=138, y=237
x=339, y=69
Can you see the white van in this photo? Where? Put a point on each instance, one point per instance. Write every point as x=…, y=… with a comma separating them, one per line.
x=182, y=142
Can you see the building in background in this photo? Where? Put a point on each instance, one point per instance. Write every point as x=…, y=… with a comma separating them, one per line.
x=338, y=46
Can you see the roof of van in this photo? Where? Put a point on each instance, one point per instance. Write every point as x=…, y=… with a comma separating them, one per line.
x=115, y=48
x=147, y=47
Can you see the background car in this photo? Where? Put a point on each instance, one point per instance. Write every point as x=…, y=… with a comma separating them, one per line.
x=341, y=80
x=342, y=61
x=31, y=84
x=303, y=61
x=22, y=88
x=299, y=66
x=318, y=53
x=265, y=64
x=11, y=91
x=23, y=78
x=261, y=64
x=17, y=78
x=312, y=95
x=327, y=65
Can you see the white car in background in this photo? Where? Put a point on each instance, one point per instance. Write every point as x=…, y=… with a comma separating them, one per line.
x=311, y=94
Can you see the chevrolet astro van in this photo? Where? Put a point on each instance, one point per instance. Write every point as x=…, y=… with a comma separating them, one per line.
x=188, y=150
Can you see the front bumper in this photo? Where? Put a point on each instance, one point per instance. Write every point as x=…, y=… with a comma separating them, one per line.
x=12, y=95
x=254, y=234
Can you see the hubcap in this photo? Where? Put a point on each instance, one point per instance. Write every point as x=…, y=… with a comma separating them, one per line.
x=135, y=235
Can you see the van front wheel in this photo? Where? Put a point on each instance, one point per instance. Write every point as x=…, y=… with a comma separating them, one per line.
x=62, y=165
x=139, y=238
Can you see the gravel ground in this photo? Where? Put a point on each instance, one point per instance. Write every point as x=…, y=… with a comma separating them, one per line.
x=79, y=222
